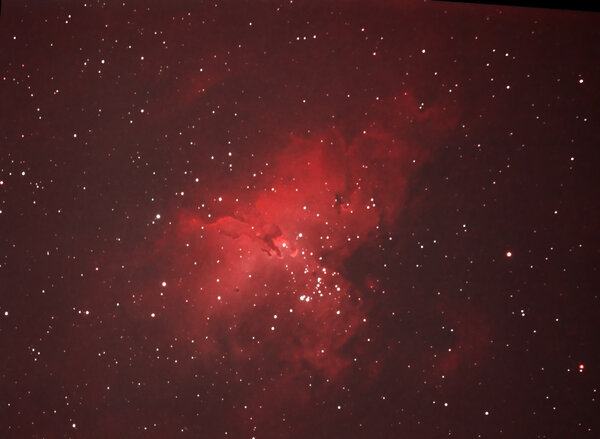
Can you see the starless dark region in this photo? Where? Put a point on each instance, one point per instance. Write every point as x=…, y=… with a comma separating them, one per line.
x=298, y=219
x=579, y=5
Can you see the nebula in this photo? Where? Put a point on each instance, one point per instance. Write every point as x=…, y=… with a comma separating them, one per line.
x=263, y=260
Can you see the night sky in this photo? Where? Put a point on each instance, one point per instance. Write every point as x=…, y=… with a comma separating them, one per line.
x=298, y=219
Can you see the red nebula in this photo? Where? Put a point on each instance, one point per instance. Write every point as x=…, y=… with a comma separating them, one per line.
x=262, y=263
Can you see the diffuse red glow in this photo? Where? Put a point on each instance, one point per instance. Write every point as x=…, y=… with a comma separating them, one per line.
x=266, y=260
x=282, y=255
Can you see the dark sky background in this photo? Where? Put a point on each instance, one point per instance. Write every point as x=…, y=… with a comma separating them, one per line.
x=298, y=219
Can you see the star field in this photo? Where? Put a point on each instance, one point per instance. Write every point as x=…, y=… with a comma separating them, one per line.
x=298, y=219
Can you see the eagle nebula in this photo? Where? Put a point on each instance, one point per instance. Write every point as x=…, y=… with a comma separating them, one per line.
x=267, y=267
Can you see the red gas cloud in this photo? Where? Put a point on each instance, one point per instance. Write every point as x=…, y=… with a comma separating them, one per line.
x=262, y=264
